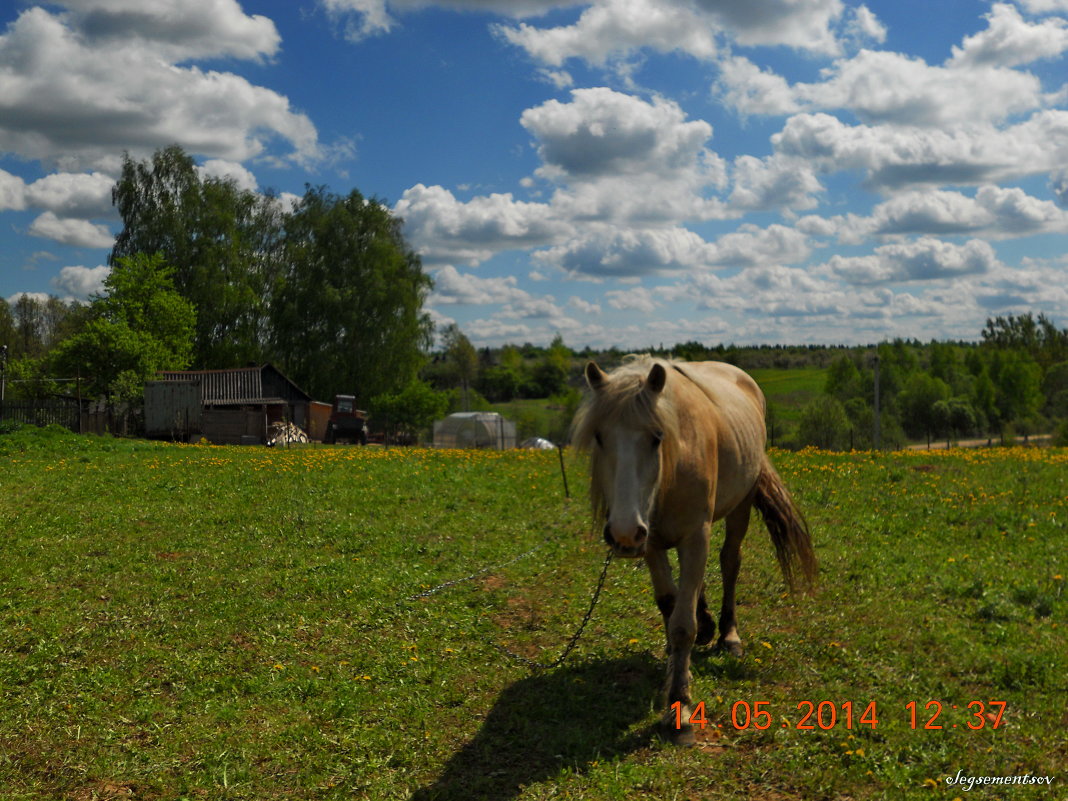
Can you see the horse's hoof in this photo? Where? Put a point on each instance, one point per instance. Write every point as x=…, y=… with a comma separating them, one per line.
x=683, y=737
x=732, y=647
x=706, y=629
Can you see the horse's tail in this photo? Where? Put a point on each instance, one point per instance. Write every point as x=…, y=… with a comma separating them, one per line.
x=787, y=526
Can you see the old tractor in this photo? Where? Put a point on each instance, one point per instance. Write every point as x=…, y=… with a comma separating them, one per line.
x=346, y=422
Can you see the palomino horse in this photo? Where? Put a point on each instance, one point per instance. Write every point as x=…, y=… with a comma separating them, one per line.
x=673, y=448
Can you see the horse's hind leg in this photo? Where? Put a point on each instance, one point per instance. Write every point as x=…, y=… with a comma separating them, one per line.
x=730, y=561
x=706, y=626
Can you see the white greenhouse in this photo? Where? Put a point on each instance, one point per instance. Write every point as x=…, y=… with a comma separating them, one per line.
x=474, y=430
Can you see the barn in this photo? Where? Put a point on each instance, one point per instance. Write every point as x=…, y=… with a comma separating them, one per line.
x=227, y=407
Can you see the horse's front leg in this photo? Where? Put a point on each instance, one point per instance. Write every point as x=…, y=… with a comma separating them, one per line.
x=663, y=584
x=682, y=631
x=664, y=591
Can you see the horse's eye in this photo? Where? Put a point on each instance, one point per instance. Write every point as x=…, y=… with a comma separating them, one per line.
x=658, y=437
x=597, y=439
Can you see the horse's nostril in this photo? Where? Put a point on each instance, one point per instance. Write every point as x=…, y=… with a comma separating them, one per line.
x=608, y=538
x=641, y=534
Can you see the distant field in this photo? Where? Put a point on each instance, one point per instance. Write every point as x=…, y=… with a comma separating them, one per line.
x=187, y=622
x=788, y=391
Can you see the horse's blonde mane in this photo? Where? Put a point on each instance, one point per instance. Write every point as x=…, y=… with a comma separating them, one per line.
x=620, y=401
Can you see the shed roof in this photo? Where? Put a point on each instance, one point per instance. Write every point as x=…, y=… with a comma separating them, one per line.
x=238, y=385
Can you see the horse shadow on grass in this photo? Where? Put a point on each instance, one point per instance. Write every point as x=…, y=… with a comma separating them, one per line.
x=550, y=722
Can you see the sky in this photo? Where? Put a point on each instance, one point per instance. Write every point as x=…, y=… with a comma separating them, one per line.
x=629, y=173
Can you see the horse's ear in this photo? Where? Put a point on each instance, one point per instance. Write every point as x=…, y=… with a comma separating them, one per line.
x=654, y=382
x=595, y=376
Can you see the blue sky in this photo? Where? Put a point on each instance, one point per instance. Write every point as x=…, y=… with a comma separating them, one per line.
x=620, y=172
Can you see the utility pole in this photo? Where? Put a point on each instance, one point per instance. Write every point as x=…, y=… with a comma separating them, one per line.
x=877, y=434
x=3, y=378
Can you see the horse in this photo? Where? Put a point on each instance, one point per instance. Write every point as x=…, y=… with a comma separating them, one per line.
x=674, y=447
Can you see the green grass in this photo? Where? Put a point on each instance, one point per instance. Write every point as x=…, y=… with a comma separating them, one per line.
x=181, y=622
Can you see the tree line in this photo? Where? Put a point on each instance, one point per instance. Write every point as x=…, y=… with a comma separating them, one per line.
x=1014, y=381
x=207, y=275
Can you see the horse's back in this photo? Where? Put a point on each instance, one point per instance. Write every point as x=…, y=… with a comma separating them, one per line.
x=728, y=386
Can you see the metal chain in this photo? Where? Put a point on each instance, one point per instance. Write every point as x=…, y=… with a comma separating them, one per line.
x=476, y=574
x=530, y=663
x=535, y=665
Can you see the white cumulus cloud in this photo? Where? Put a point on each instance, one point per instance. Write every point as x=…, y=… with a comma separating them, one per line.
x=617, y=157
x=1010, y=40
x=68, y=231
x=636, y=299
x=453, y=287
x=80, y=282
x=612, y=30
x=924, y=259
x=84, y=195
x=606, y=250
x=898, y=157
x=179, y=29
x=76, y=87
x=774, y=182
x=12, y=192
x=605, y=132
x=229, y=170
x=445, y=229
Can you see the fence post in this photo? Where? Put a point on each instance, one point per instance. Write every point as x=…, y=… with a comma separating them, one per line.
x=78, y=392
x=563, y=470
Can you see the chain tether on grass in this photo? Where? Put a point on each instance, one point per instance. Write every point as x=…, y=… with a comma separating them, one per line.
x=530, y=663
x=535, y=665
x=475, y=575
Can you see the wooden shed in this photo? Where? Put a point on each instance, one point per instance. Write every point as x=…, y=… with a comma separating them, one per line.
x=232, y=407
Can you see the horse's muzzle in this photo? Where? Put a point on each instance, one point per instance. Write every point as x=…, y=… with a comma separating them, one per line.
x=627, y=551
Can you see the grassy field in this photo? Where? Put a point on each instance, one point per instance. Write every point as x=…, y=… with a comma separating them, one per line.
x=787, y=392
x=187, y=622
x=793, y=387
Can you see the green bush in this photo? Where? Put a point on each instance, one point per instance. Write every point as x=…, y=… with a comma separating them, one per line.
x=1060, y=435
